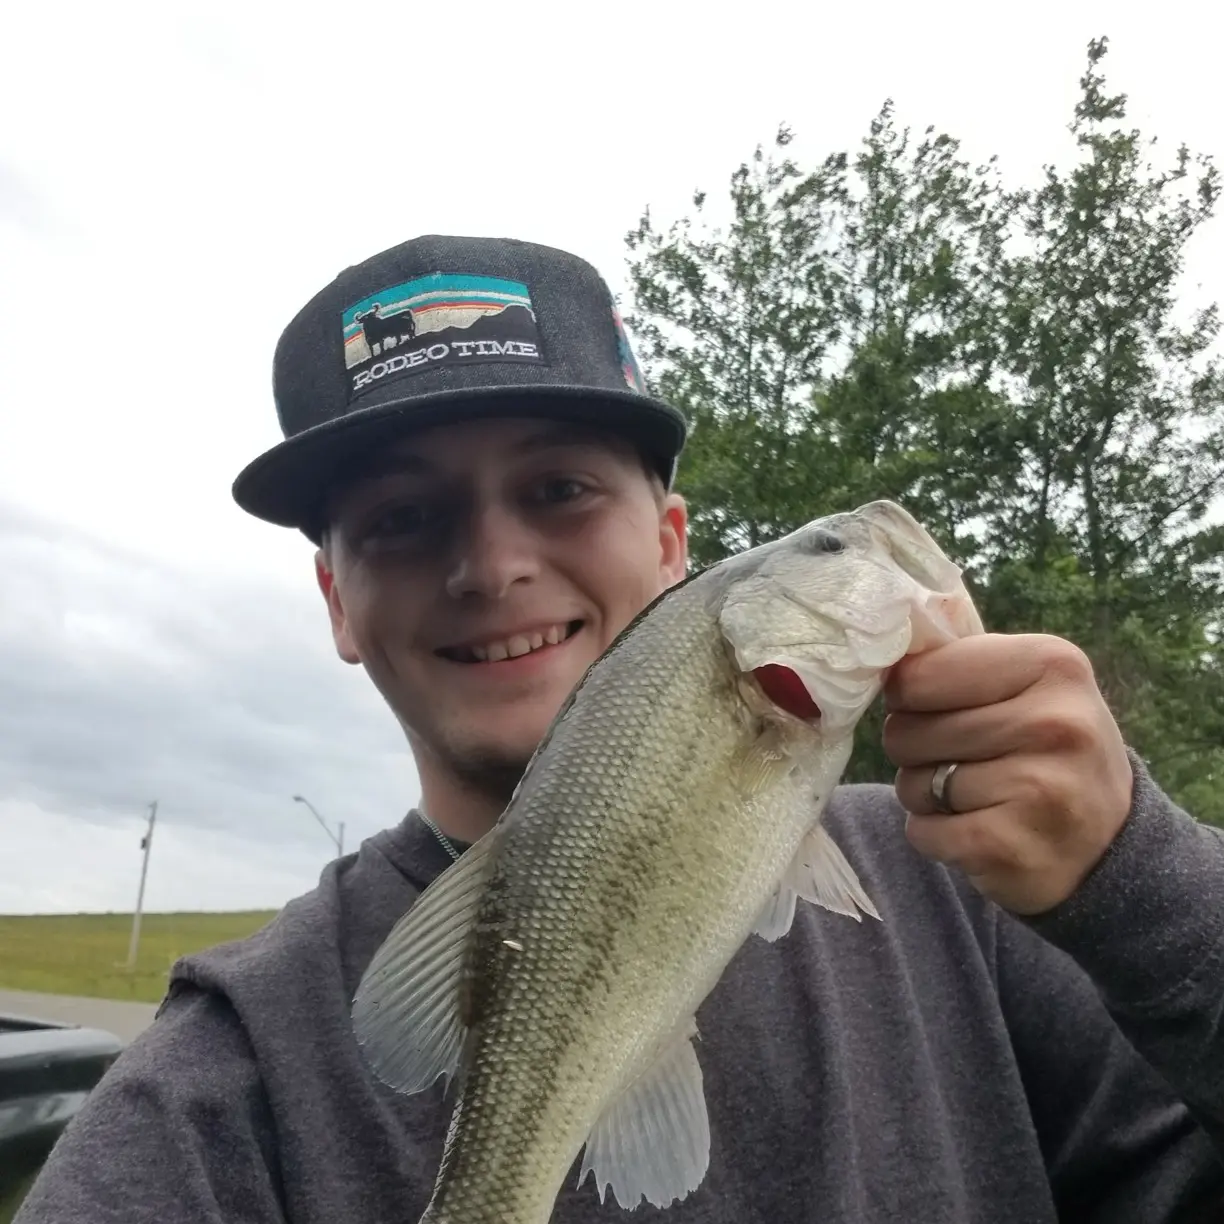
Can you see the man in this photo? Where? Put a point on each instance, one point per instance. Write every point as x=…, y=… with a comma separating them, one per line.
x=1032, y=1033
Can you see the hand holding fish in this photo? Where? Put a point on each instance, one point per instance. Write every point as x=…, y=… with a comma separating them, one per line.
x=1043, y=783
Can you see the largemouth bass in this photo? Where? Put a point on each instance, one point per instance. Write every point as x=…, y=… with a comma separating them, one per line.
x=672, y=812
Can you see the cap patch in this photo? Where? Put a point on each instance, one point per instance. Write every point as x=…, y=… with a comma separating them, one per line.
x=442, y=319
x=629, y=366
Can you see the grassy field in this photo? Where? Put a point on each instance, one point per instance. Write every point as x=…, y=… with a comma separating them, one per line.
x=10, y=1202
x=86, y=954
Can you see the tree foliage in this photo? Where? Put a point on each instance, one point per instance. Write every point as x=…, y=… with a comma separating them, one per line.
x=1016, y=366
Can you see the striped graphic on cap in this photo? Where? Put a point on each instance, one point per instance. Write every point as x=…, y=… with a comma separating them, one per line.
x=629, y=365
x=439, y=319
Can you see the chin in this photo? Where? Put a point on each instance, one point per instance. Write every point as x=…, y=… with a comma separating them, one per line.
x=496, y=738
x=514, y=747
x=504, y=747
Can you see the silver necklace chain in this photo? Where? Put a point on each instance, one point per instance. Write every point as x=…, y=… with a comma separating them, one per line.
x=445, y=841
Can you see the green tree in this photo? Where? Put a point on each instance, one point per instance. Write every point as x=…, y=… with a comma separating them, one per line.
x=1011, y=365
x=835, y=343
x=1106, y=538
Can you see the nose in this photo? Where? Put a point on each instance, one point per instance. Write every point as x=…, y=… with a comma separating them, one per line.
x=491, y=553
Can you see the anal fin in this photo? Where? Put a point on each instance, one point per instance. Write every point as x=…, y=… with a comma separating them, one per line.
x=407, y=1012
x=818, y=873
x=653, y=1140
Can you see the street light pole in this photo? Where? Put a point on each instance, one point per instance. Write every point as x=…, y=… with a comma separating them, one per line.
x=337, y=840
x=146, y=844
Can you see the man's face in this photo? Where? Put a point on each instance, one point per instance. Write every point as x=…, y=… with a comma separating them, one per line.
x=476, y=570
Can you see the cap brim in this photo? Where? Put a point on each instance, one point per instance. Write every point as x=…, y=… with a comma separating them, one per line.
x=287, y=484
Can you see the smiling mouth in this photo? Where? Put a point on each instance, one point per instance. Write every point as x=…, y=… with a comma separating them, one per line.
x=513, y=647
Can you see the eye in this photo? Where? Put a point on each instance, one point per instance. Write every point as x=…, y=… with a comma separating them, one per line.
x=821, y=541
x=560, y=489
x=405, y=519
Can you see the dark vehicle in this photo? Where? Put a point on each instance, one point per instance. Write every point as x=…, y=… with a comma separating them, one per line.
x=46, y=1072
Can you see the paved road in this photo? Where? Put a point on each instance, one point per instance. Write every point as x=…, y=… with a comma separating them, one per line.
x=125, y=1020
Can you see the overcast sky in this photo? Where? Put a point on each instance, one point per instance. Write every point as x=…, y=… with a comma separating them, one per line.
x=176, y=180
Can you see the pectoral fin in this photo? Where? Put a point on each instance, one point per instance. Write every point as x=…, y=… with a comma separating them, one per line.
x=818, y=873
x=407, y=1012
x=653, y=1141
x=764, y=764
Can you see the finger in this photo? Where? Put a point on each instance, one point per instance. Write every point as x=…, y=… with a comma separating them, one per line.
x=972, y=671
x=979, y=843
x=961, y=735
x=972, y=787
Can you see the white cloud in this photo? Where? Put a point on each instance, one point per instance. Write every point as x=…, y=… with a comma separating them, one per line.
x=129, y=679
x=178, y=181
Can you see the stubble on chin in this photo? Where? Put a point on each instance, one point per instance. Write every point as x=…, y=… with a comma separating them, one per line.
x=489, y=774
x=486, y=771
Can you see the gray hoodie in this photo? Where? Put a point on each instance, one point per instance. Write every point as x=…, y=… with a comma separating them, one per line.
x=946, y=1065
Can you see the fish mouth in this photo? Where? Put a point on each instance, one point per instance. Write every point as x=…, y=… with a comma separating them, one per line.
x=512, y=646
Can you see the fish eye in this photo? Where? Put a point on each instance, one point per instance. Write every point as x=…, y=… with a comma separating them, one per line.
x=821, y=541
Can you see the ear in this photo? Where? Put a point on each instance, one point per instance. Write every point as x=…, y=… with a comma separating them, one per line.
x=326, y=579
x=673, y=539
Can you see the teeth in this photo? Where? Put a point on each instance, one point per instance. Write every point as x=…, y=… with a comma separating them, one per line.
x=512, y=648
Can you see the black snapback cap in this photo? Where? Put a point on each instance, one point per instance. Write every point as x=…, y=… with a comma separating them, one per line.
x=443, y=329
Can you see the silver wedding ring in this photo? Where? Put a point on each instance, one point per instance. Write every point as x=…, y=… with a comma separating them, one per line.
x=939, y=787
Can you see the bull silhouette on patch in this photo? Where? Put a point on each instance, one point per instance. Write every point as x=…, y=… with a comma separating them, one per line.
x=385, y=330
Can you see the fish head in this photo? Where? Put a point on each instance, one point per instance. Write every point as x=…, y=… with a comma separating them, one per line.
x=819, y=616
